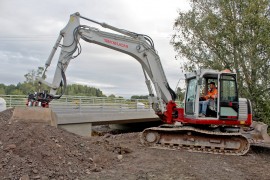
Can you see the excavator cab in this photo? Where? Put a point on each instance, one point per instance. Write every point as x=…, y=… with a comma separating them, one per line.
x=227, y=127
x=218, y=131
x=224, y=107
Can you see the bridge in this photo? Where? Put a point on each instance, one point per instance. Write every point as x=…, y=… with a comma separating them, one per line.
x=81, y=121
x=78, y=114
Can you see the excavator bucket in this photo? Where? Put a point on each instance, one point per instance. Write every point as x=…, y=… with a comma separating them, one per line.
x=34, y=115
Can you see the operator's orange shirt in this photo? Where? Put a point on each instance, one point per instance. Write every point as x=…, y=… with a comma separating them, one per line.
x=212, y=93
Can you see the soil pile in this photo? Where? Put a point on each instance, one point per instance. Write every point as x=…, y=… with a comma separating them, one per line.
x=34, y=151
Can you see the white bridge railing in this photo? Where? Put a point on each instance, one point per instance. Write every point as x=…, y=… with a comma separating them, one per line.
x=71, y=104
x=85, y=102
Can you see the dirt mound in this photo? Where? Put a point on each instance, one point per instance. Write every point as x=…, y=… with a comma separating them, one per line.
x=40, y=151
x=31, y=151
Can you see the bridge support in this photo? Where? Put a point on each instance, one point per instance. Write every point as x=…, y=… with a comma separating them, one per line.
x=81, y=123
x=82, y=129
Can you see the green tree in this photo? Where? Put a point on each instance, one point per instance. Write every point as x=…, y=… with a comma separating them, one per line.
x=82, y=90
x=10, y=89
x=16, y=92
x=180, y=94
x=30, y=76
x=221, y=34
x=26, y=87
x=2, y=91
x=33, y=74
x=31, y=83
x=112, y=96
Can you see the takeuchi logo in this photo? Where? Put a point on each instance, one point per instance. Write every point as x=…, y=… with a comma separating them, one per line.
x=115, y=43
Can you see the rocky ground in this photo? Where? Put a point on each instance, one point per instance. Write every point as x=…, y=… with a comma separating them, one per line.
x=31, y=151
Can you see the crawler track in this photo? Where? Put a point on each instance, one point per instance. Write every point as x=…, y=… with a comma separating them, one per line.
x=195, y=140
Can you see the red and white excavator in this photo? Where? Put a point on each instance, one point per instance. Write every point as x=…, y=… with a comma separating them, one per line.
x=227, y=127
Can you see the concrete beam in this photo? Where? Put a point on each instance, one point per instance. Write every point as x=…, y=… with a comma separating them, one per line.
x=84, y=129
x=107, y=118
x=81, y=123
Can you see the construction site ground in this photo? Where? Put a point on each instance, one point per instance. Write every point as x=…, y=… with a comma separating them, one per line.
x=32, y=151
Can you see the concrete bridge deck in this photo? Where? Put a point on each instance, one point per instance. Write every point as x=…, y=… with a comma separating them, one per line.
x=81, y=122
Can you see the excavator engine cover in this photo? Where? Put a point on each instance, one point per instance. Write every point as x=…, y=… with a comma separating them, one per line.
x=34, y=115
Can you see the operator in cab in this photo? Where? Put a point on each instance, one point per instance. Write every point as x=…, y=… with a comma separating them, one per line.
x=205, y=100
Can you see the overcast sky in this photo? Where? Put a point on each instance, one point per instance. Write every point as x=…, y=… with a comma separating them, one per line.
x=29, y=29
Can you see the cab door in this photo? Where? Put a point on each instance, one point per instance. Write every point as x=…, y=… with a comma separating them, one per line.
x=190, y=96
x=228, y=97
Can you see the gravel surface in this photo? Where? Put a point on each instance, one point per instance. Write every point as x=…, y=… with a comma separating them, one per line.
x=35, y=151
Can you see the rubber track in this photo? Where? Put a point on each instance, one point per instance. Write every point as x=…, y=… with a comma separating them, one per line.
x=244, y=141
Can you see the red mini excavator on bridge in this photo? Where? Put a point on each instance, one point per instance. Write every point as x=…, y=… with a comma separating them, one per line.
x=227, y=127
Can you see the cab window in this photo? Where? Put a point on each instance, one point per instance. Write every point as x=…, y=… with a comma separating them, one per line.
x=190, y=96
x=228, y=97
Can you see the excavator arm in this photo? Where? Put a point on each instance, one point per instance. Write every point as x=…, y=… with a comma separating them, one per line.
x=139, y=46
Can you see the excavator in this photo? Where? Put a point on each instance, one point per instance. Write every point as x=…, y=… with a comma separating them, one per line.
x=226, y=129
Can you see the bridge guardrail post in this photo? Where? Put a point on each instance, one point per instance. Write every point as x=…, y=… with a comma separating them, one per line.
x=10, y=101
x=80, y=103
x=136, y=104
